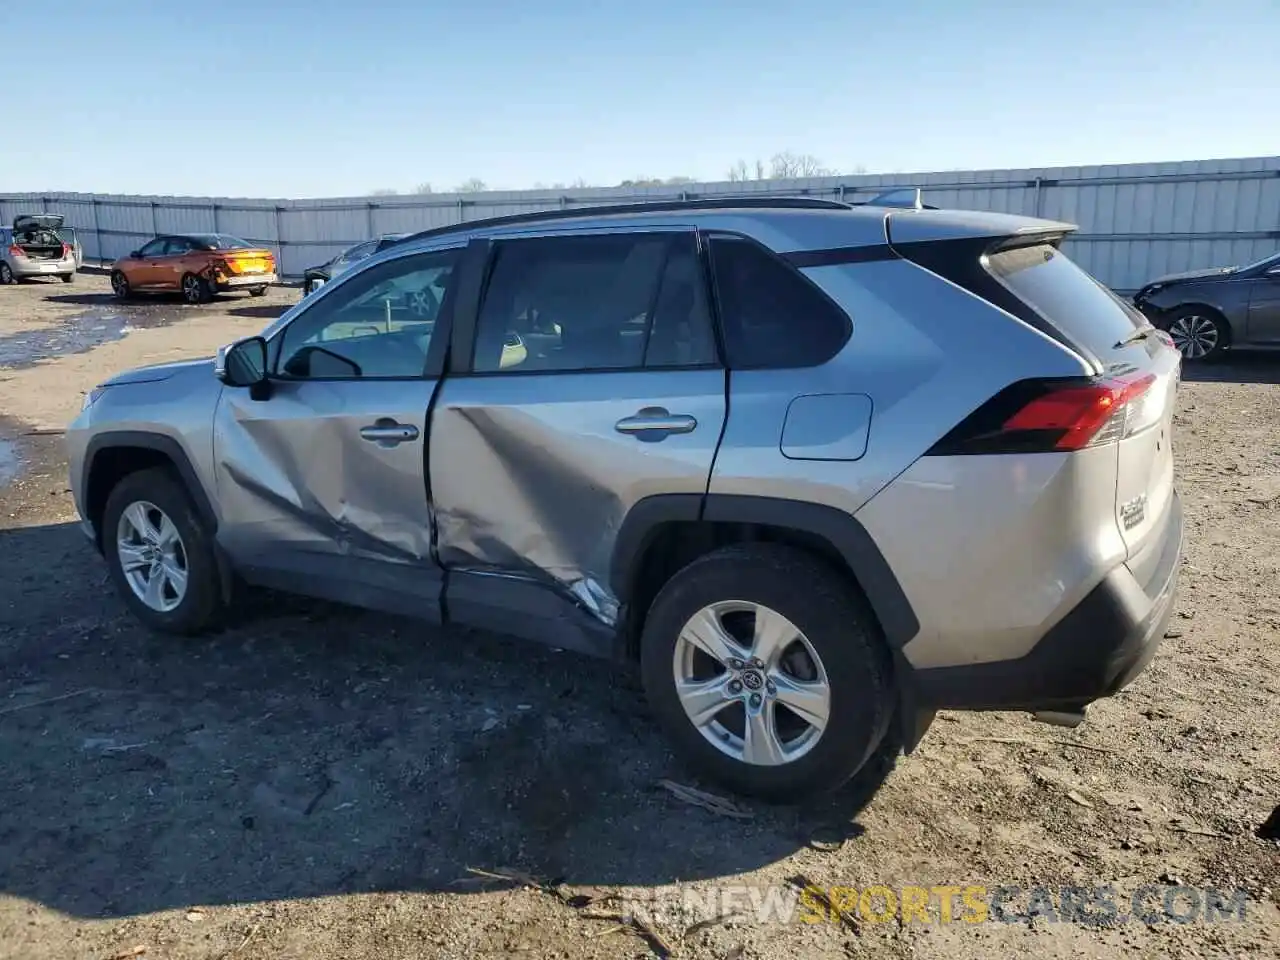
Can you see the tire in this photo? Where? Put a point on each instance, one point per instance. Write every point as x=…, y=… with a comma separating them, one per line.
x=6, y=274
x=833, y=623
x=148, y=496
x=1200, y=333
x=120, y=285
x=68, y=278
x=257, y=291
x=195, y=289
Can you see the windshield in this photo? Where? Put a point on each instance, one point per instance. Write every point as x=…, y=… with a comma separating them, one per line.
x=221, y=241
x=1266, y=262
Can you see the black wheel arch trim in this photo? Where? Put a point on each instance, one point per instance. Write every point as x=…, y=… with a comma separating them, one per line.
x=840, y=529
x=159, y=443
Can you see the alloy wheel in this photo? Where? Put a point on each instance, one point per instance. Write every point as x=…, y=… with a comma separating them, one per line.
x=1195, y=336
x=152, y=556
x=191, y=289
x=6, y=275
x=751, y=683
x=119, y=285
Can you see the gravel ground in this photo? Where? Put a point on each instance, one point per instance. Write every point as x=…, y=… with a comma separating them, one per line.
x=318, y=782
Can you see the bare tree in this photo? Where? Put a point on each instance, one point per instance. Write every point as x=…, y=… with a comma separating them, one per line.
x=738, y=173
x=788, y=165
x=473, y=185
x=423, y=188
x=383, y=192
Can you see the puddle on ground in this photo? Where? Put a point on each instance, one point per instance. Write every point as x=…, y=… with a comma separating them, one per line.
x=79, y=333
x=8, y=461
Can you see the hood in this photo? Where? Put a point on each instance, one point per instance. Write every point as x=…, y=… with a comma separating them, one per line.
x=24, y=222
x=160, y=371
x=1213, y=273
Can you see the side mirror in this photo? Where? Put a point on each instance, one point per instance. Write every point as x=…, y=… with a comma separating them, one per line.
x=135, y=254
x=243, y=363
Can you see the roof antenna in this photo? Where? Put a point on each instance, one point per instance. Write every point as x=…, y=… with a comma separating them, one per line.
x=909, y=198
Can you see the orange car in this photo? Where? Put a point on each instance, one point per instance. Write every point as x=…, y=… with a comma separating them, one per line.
x=197, y=264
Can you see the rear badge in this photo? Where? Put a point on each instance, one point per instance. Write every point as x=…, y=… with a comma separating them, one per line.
x=1133, y=512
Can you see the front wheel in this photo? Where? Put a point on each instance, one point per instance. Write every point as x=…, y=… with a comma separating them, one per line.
x=1199, y=333
x=120, y=284
x=195, y=289
x=159, y=555
x=767, y=671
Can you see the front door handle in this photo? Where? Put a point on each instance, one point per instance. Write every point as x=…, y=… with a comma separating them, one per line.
x=386, y=432
x=655, y=423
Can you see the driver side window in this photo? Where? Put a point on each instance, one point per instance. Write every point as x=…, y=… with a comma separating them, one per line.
x=377, y=324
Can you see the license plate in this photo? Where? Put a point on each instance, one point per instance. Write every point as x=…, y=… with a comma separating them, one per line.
x=252, y=266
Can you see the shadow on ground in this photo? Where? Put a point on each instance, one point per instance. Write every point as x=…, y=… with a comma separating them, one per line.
x=313, y=750
x=1244, y=366
x=266, y=311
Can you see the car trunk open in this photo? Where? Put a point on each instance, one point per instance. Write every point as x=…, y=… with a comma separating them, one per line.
x=38, y=238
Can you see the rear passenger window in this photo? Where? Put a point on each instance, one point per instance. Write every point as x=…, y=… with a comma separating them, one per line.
x=604, y=302
x=772, y=316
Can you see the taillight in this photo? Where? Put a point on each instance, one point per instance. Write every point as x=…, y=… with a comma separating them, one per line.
x=1044, y=416
x=66, y=250
x=16, y=251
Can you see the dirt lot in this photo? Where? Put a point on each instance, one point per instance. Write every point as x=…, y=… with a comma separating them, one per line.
x=317, y=782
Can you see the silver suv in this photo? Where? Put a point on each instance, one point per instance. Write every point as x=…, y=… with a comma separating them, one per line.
x=820, y=469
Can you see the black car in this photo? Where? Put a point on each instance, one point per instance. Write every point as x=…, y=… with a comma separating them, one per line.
x=313, y=277
x=1209, y=311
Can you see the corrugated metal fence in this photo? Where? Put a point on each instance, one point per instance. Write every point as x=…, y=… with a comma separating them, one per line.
x=1137, y=220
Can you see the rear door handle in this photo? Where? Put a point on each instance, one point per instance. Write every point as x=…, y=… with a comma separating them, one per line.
x=386, y=432
x=655, y=423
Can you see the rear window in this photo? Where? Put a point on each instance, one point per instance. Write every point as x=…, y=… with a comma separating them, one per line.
x=221, y=241
x=1047, y=281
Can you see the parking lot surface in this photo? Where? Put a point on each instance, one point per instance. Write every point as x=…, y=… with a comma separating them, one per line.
x=323, y=783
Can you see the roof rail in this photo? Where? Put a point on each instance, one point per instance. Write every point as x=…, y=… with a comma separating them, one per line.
x=656, y=206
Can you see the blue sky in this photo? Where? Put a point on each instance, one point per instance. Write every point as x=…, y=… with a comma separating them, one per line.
x=302, y=98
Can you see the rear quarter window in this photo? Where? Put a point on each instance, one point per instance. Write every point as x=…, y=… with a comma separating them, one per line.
x=772, y=317
x=1046, y=279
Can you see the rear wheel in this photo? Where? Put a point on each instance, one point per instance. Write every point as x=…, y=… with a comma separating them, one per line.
x=195, y=289
x=119, y=284
x=257, y=291
x=1199, y=333
x=6, y=274
x=68, y=278
x=159, y=555
x=767, y=672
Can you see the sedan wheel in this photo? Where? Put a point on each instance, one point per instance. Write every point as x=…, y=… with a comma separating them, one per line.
x=194, y=289
x=119, y=284
x=1196, y=335
x=6, y=275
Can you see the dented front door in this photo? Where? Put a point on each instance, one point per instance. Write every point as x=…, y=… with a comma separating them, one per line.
x=322, y=484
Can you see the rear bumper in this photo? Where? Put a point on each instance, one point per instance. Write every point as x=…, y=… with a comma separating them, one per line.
x=241, y=281
x=26, y=267
x=1094, y=651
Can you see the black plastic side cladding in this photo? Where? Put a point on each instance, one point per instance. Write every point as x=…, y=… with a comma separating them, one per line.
x=841, y=530
x=170, y=448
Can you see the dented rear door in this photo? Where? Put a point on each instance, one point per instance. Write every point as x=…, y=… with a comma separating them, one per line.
x=323, y=483
x=592, y=384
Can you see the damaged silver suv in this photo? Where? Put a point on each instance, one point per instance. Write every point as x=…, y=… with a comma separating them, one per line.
x=820, y=469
